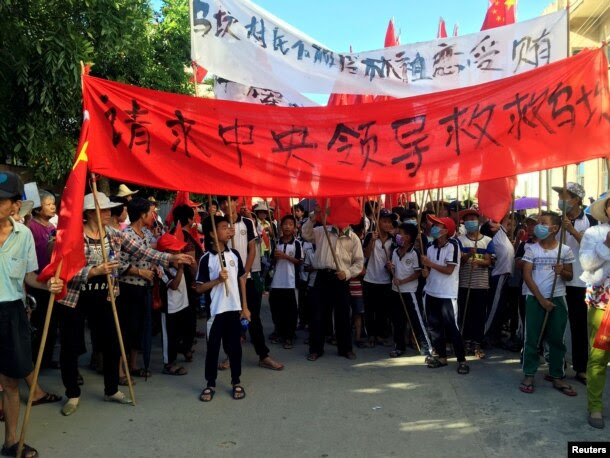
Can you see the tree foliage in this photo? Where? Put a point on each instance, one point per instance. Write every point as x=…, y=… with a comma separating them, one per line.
x=42, y=43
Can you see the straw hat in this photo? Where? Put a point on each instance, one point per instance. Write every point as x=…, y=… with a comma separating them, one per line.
x=124, y=191
x=104, y=201
x=598, y=209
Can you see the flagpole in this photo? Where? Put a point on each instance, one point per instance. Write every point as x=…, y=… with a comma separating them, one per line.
x=34, y=384
x=539, y=192
x=110, y=280
x=221, y=257
x=231, y=220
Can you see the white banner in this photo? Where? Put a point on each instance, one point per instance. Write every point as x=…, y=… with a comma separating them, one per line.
x=239, y=41
x=229, y=90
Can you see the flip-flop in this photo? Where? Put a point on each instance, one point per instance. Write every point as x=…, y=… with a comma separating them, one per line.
x=12, y=450
x=312, y=356
x=224, y=365
x=565, y=389
x=207, y=392
x=581, y=378
x=435, y=364
x=238, y=392
x=264, y=365
x=525, y=388
x=47, y=399
x=177, y=370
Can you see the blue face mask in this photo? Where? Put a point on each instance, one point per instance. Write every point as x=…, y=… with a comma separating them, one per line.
x=541, y=231
x=413, y=222
x=400, y=241
x=471, y=226
x=562, y=203
x=435, y=232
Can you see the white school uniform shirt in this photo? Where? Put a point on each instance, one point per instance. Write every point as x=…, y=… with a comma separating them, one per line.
x=441, y=285
x=404, y=267
x=177, y=299
x=505, y=253
x=581, y=224
x=376, y=271
x=244, y=233
x=542, y=271
x=209, y=269
x=284, y=272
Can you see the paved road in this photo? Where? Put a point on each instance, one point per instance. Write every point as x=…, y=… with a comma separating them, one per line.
x=374, y=406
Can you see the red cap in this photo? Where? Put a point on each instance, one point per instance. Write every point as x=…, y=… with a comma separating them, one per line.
x=447, y=222
x=169, y=242
x=468, y=211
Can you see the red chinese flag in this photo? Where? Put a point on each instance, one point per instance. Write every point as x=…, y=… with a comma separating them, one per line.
x=182, y=198
x=69, y=246
x=442, y=30
x=342, y=211
x=495, y=197
x=390, y=40
x=199, y=73
x=282, y=207
x=499, y=13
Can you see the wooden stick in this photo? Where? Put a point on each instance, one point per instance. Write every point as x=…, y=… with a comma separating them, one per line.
x=476, y=243
x=43, y=340
x=231, y=225
x=110, y=280
x=539, y=192
x=221, y=255
x=330, y=246
x=561, y=240
x=512, y=218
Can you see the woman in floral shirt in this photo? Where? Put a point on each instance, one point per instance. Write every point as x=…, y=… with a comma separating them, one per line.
x=595, y=260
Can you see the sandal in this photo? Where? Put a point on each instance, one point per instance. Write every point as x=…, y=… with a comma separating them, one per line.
x=207, y=394
x=478, y=352
x=312, y=356
x=288, y=345
x=361, y=344
x=581, y=378
x=47, y=399
x=436, y=363
x=238, y=392
x=12, y=450
x=224, y=364
x=526, y=388
x=396, y=353
x=268, y=363
x=174, y=370
x=140, y=373
x=565, y=389
x=463, y=369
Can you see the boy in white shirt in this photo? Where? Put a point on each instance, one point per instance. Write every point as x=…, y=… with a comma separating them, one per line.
x=220, y=272
x=545, y=279
x=176, y=314
x=282, y=297
x=406, y=269
x=443, y=262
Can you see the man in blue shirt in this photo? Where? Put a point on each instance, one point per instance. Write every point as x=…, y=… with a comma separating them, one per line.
x=18, y=264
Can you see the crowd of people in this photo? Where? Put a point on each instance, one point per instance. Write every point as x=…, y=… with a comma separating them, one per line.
x=442, y=279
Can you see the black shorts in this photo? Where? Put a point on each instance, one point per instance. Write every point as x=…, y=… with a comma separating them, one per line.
x=15, y=340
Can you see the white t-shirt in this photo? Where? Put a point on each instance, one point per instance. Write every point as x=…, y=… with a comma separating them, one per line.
x=404, y=267
x=505, y=253
x=376, y=271
x=209, y=269
x=177, y=299
x=244, y=233
x=284, y=272
x=438, y=284
x=581, y=224
x=542, y=272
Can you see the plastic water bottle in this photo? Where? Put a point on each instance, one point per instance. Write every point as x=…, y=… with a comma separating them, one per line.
x=244, y=324
x=112, y=257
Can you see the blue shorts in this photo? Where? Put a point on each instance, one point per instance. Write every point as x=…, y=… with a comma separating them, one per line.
x=357, y=304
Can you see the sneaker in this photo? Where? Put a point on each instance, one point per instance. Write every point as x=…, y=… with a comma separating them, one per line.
x=119, y=397
x=70, y=406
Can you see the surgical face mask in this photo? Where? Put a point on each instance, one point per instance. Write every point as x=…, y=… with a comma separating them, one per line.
x=541, y=231
x=400, y=240
x=435, y=232
x=471, y=226
x=412, y=222
x=565, y=205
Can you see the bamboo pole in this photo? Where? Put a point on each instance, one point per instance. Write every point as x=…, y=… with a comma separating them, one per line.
x=539, y=192
x=231, y=224
x=43, y=340
x=221, y=255
x=561, y=240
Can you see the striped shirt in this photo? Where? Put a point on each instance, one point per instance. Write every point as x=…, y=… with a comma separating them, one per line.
x=479, y=274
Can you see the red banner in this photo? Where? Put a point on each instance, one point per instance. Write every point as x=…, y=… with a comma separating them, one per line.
x=552, y=116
